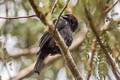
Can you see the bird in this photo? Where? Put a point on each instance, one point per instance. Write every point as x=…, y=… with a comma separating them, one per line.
x=67, y=24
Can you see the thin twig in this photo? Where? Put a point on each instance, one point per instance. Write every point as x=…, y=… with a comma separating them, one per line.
x=110, y=7
x=109, y=59
x=61, y=13
x=91, y=59
x=17, y=17
x=59, y=41
x=54, y=6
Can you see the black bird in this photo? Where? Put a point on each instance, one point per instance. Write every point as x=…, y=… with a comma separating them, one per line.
x=66, y=26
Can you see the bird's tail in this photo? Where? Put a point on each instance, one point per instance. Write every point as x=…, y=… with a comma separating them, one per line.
x=38, y=64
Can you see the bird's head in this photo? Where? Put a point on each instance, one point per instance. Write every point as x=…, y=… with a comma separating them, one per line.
x=71, y=19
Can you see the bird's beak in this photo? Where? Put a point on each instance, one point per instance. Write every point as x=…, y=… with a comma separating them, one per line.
x=65, y=17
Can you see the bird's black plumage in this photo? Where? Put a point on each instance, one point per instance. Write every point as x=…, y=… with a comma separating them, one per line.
x=66, y=26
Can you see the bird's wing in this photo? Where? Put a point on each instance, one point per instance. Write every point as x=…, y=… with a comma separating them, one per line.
x=44, y=39
x=46, y=36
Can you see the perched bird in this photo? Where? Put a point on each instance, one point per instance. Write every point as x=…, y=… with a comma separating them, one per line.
x=66, y=26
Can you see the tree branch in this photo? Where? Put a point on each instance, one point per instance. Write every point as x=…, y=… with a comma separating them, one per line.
x=18, y=17
x=61, y=13
x=110, y=7
x=54, y=6
x=109, y=59
x=59, y=41
x=26, y=51
x=39, y=14
x=24, y=72
x=90, y=62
